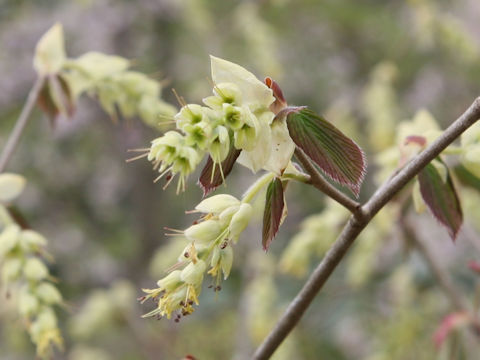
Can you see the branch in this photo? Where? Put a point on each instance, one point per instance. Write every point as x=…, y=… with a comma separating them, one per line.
x=318, y=181
x=22, y=120
x=353, y=228
x=443, y=279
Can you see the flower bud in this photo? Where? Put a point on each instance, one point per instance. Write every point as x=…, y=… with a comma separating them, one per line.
x=11, y=186
x=171, y=281
x=28, y=304
x=11, y=269
x=193, y=272
x=9, y=238
x=226, y=260
x=31, y=240
x=240, y=220
x=35, y=269
x=216, y=204
x=220, y=144
x=48, y=293
x=47, y=319
x=204, y=232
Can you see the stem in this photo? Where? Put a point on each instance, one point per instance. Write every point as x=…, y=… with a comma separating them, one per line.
x=353, y=228
x=318, y=181
x=443, y=279
x=22, y=120
x=256, y=187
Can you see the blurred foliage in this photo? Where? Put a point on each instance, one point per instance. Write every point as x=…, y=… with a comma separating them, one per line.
x=367, y=65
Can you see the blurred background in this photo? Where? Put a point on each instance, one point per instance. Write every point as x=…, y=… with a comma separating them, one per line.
x=367, y=65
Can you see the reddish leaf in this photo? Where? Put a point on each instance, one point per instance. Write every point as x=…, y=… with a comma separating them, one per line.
x=441, y=198
x=209, y=183
x=416, y=139
x=45, y=102
x=450, y=323
x=274, y=212
x=56, y=84
x=336, y=154
x=280, y=103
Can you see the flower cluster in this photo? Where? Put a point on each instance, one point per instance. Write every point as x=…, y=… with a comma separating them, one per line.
x=210, y=246
x=236, y=117
x=106, y=78
x=23, y=270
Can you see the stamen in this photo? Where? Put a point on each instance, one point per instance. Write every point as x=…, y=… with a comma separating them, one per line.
x=137, y=157
x=180, y=99
x=168, y=183
x=162, y=174
x=174, y=230
x=138, y=150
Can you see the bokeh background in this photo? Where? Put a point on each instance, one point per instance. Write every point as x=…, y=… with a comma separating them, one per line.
x=366, y=65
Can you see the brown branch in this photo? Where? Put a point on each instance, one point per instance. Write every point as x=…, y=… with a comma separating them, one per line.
x=353, y=228
x=17, y=131
x=319, y=182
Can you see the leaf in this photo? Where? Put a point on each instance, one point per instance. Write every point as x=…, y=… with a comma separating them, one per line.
x=441, y=198
x=466, y=177
x=55, y=97
x=50, y=52
x=273, y=214
x=253, y=90
x=280, y=103
x=336, y=154
x=450, y=323
x=207, y=182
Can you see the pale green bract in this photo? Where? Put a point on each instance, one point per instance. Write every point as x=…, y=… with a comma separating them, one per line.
x=50, y=52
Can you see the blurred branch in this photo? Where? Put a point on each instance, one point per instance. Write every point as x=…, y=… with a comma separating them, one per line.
x=443, y=279
x=355, y=225
x=22, y=120
x=319, y=182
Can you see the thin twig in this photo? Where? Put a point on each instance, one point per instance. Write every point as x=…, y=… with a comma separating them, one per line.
x=353, y=228
x=318, y=181
x=443, y=279
x=22, y=120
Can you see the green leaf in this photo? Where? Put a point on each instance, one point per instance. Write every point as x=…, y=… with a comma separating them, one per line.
x=466, y=177
x=212, y=176
x=441, y=198
x=337, y=155
x=273, y=214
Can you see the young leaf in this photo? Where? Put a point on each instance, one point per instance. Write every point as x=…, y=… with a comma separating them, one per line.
x=441, y=198
x=50, y=52
x=280, y=103
x=55, y=98
x=273, y=214
x=336, y=154
x=207, y=182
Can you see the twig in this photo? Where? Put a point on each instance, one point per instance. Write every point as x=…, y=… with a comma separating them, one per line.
x=353, y=228
x=442, y=278
x=22, y=120
x=318, y=181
